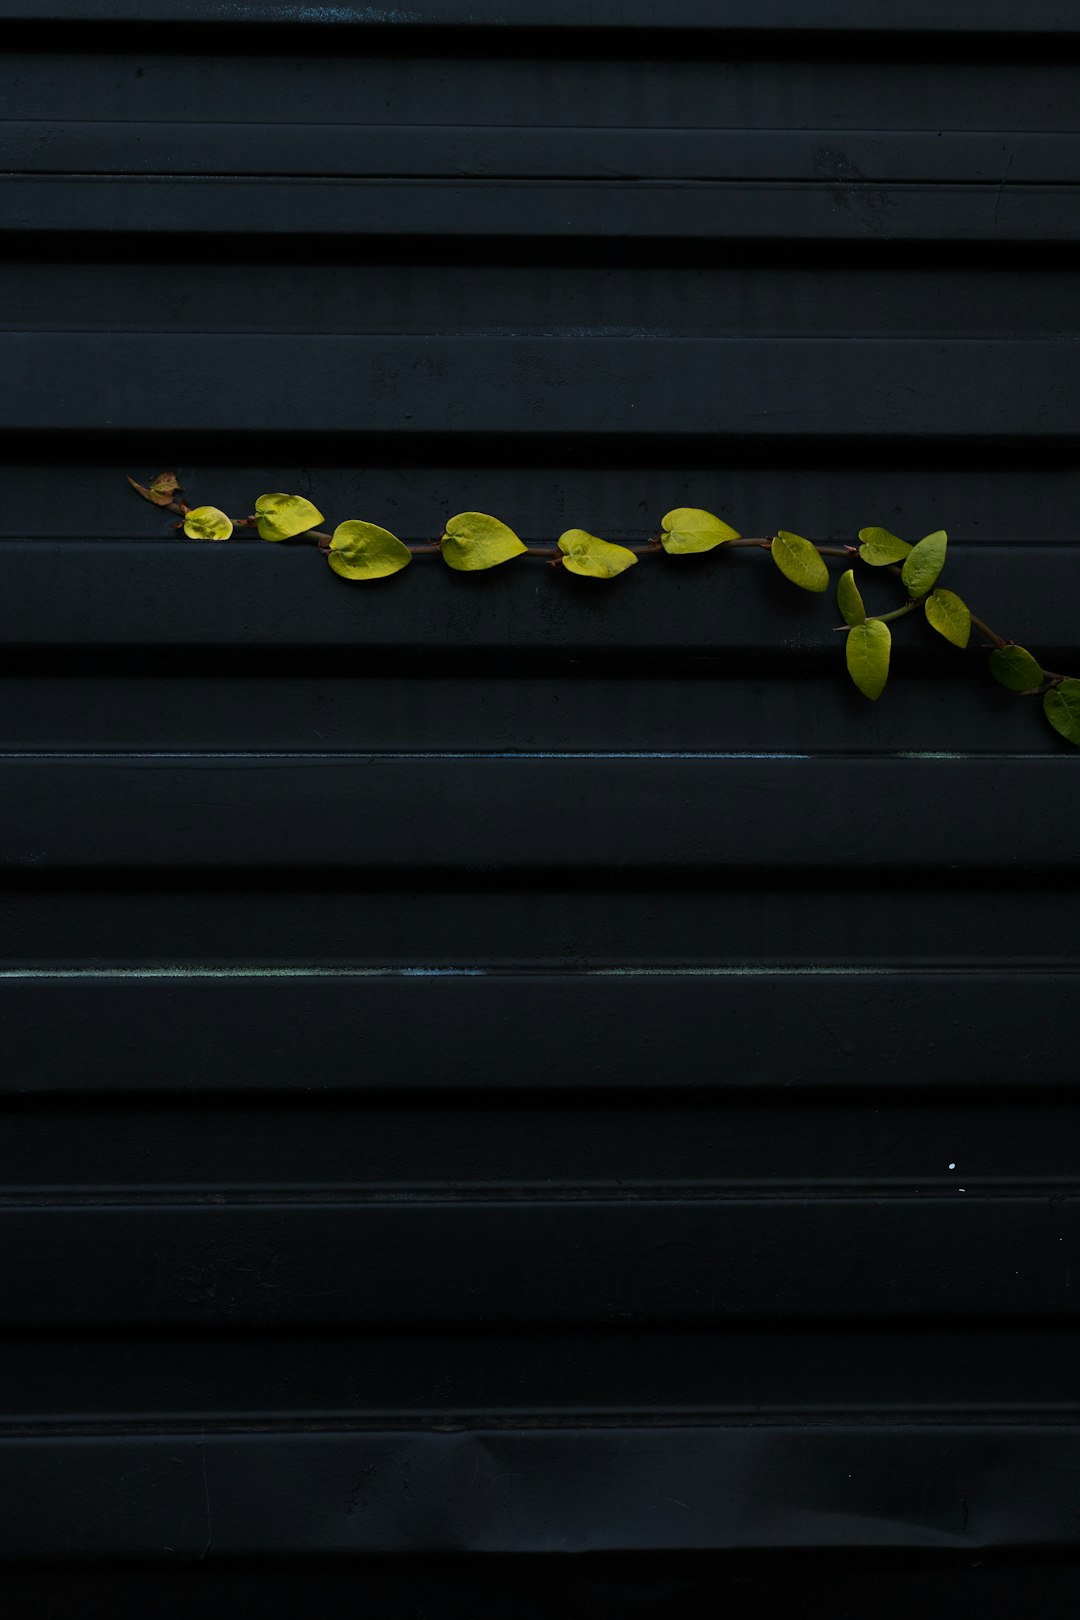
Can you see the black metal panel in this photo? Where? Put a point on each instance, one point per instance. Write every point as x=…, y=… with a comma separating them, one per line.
x=691, y=1030
x=504, y=1068
x=798, y=389
x=837, y=210
x=380, y=817
x=1053, y=17
x=579, y=1490
x=727, y=611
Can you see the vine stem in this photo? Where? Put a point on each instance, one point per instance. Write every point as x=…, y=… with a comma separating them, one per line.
x=991, y=635
x=897, y=613
x=651, y=547
x=1052, y=677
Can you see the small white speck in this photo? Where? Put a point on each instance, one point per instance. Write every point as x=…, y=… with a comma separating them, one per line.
x=952, y=1167
x=961, y=1189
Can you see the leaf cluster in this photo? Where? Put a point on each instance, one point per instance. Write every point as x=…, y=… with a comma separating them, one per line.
x=472, y=542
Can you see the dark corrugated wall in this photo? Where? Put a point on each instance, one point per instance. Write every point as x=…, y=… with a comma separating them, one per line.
x=505, y=1068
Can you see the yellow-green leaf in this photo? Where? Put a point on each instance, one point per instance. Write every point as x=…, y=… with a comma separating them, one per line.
x=924, y=563
x=473, y=540
x=868, y=647
x=1061, y=706
x=848, y=599
x=585, y=553
x=688, y=528
x=949, y=616
x=799, y=561
x=880, y=548
x=207, y=523
x=1015, y=668
x=282, y=517
x=364, y=551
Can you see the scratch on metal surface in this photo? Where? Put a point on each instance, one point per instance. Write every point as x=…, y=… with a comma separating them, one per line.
x=345, y=756
x=390, y=757
x=181, y=970
x=206, y=1493
x=844, y=1045
x=736, y=970
x=322, y=14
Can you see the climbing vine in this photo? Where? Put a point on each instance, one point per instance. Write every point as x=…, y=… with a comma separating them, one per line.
x=472, y=541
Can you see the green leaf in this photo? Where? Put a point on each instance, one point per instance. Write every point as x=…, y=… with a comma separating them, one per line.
x=207, y=523
x=364, y=551
x=848, y=599
x=949, y=616
x=585, y=553
x=880, y=548
x=1015, y=668
x=924, y=563
x=282, y=517
x=688, y=528
x=799, y=561
x=1061, y=705
x=473, y=540
x=868, y=647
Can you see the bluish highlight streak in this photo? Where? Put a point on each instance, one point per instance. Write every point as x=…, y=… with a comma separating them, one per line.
x=183, y=971
x=346, y=756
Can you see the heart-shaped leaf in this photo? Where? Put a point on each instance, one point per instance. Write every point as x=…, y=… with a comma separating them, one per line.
x=1015, y=668
x=1061, y=705
x=950, y=616
x=880, y=548
x=868, y=647
x=473, y=540
x=924, y=563
x=364, y=551
x=688, y=528
x=848, y=599
x=585, y=553
x=799, y=561
x=282, y=517
x=207, y=523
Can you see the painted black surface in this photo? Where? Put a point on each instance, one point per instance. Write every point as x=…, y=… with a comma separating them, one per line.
x=704, y=1031
x=1040, y=17
x=516, y=1095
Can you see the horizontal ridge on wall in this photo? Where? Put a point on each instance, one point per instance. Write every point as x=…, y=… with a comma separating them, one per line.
x=251, y=595
x=150, y=287
x=149, y=700
x=775, y=388
x=281, y=1262
x=372, y=814
x=494, y=154
x=885, y=1030
x=710, y=211
x=115, y=1147
x=533, y=1491
x=559, y=1375
x=1049, y=17
x=117, y=919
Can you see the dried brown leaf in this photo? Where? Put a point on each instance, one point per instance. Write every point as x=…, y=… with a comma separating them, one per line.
x=164, y=489
x=162, y=492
